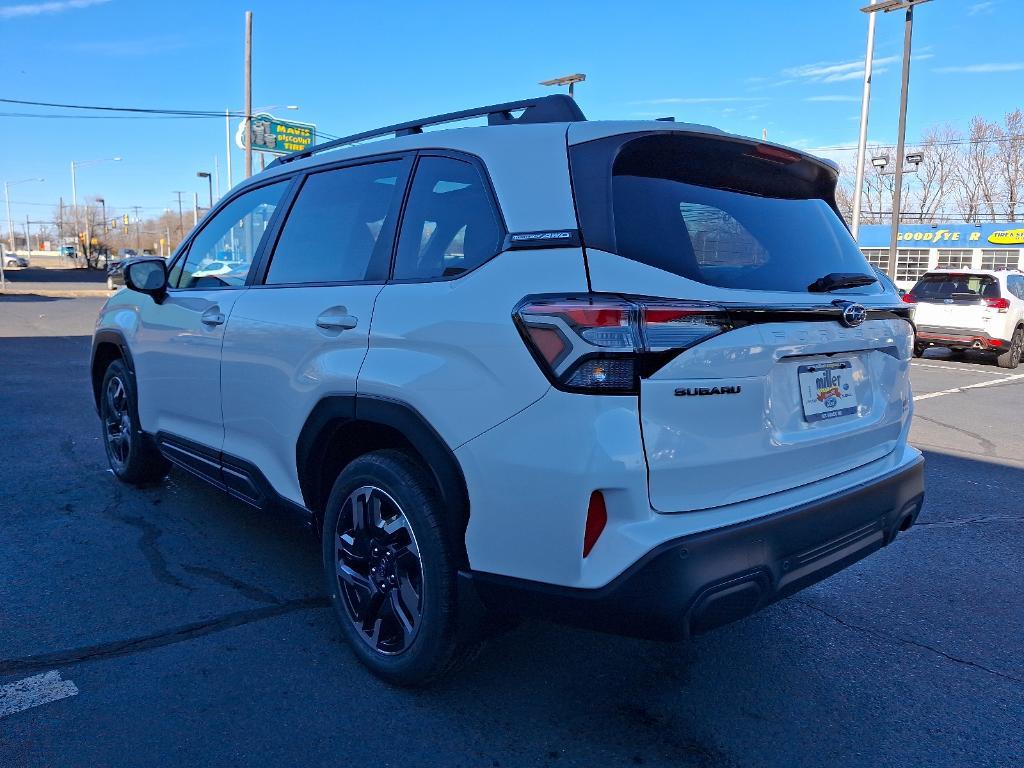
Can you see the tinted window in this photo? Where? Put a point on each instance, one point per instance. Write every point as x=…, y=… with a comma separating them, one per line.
x=723, y=213
x=339, y=228
x=450, y=225
x=956, y=288
x=223, y=251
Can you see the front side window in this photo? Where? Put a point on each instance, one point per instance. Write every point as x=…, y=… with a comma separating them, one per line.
x=450, y=225
x=223, y=251
x=339, y=229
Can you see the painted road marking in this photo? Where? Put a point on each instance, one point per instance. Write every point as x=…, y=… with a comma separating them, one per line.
x=987, y=371
x=34, y=691
x=969, y=386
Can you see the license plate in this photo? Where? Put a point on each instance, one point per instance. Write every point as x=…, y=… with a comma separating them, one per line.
x=826, y=390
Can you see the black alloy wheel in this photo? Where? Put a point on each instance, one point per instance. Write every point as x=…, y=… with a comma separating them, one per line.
x=117, y=422
x=380, y=576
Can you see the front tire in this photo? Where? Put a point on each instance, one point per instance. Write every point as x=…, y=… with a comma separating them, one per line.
x=1011, y=357
x=132, y=457
x=390, y=571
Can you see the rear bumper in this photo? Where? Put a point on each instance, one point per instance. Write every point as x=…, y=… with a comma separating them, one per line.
x=958, y=338
x=697, y=582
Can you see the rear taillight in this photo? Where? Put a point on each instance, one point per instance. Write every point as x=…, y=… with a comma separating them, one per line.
x=1001, y=304
x=605, y=344
x=909, y=298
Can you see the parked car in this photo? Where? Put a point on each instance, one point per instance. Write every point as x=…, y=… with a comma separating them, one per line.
x=115, y=274
x=971, y=309
x=14, y=261
x=634, y=376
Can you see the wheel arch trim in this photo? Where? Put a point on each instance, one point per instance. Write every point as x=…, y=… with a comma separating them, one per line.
x=101, y=339
x=334, y=413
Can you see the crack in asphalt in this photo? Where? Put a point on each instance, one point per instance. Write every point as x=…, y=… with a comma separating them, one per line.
x=905, y=641
x=151, y=533
x=987, y=445
x=113, y=649
x=243, y=588
x=970, y=521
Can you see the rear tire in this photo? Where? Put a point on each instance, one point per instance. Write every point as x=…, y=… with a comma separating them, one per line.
x=1011, y=357
x=131, y=454
x=391, y=573
x=918, y=350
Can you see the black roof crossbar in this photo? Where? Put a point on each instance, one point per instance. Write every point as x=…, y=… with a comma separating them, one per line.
x=557, y=108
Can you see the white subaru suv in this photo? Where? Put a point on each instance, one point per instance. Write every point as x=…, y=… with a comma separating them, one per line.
x=630, y=375
x=979, y=309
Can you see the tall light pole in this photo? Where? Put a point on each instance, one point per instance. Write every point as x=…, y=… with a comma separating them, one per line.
x=74, y=199
x=209, y=178
x=862, y=140
x=569, y=80
x=7, y=200
x=887, y=6
x=248, y=93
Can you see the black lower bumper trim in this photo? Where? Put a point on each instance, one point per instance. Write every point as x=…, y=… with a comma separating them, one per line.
x=698, y=582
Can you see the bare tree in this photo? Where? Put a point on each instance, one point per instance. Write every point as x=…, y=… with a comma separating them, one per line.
x=975, y=186
x=930, y=187
x=1009, y=152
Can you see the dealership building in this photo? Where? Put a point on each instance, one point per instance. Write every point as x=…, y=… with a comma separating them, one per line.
x=922, y=247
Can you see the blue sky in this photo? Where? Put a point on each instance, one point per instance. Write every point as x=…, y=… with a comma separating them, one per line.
x=792, y=67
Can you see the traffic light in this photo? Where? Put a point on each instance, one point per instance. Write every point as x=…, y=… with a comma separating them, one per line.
x=125, y=218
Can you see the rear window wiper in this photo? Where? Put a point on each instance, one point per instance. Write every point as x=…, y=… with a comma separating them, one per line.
x=834, y=280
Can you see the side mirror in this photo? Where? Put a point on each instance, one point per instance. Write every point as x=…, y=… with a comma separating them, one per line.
x=147, y=276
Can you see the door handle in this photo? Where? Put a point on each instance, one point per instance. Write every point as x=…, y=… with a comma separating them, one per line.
x=212, y=318
x=337, y=321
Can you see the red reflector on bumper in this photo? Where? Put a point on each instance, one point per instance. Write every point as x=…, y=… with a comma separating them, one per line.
x=597, y=518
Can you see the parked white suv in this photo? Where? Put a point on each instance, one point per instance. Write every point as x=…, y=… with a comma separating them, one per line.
x=971, y=309
x=631, y=375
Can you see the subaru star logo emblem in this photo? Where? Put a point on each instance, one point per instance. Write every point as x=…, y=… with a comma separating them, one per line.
x=853, y=315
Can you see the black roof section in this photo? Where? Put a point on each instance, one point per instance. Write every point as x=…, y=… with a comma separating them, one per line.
x=557, y=108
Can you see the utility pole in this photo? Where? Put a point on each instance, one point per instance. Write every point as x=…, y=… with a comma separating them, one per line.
x=138, y=238
x=10, y=225
x=248, y=94
x=862, y=140
x=60, y=225
x=181, y=220
x=195, y=208
x=28, y=241
x=227, y=143
x=897, y=191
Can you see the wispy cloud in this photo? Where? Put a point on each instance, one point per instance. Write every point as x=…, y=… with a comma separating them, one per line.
x=836, y=71
x=833, y=97
x=980, y=69
x=702, y=100
x=40, y=9
x=976, y=8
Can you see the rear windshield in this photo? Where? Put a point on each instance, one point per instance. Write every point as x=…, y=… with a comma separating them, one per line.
x=721, y=213
x=951, y=288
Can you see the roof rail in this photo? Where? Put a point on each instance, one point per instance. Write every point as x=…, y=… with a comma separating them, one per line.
x=557, y=108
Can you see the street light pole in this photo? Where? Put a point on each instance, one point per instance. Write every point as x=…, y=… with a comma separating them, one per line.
x=862, y=141
x=209, y=178
x=897, y=190
x=74, y=201
x=248, y=94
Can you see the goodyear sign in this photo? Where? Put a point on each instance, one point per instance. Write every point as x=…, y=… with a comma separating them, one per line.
x=279, y=137
x=946, y=236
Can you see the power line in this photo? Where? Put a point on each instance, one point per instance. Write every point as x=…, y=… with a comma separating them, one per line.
x=947, y=143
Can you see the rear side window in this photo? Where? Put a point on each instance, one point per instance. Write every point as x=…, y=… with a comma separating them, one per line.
x=338, y=229
x=723, y=213
x=450, y=225
x=955, y=288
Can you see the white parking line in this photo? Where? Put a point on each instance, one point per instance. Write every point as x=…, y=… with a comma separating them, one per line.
x=969, y=386
x=34, y=691
x=987, y=371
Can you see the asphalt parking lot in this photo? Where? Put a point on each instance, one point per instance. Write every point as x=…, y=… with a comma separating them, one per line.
x=187, y=629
